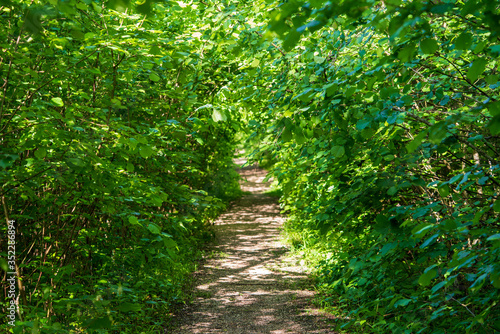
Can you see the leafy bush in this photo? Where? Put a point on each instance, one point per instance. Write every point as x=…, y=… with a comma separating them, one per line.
x=386, y=133
x=113, y=165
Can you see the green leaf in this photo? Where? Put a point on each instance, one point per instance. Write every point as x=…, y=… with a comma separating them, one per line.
x=133, y=220
x=494, y=237
x=362, y=123
x=429, y=46
x=444, y=190
x=154, y=77
x=476, y=69
x=429, y=241
x=422, y=229
x=157, y=200
x=494, y=108
x=463, y=41
x=392, y=190
x=99, y=323
x=494, y=125
x=286, y=135
x=127, y=307
x=299, y=135
x=219, y=116
x=438, y=132
x=153, y=228
x=415, y=143
x=407, y=52
x=40, y=153
x=438, y=286
x=319, y=60
x=57, y=101
x=330, y=89
x=145, y=151
x=495, y=279
x=4, y=264
x=402, y=302
x=456, y=178
x=155, y=50
x=426, y=278
x=478, y=284
x=338, y=151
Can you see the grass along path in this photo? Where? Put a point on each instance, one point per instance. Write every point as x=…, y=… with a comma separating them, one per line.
x=251, y=286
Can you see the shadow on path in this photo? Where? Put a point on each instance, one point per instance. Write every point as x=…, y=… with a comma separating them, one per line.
x=251, y=287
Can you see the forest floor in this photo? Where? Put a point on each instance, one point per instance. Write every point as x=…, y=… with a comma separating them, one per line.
x=249, y=284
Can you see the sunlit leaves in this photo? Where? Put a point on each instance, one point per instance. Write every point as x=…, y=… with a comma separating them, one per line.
x=407, y=132
x=57, y=101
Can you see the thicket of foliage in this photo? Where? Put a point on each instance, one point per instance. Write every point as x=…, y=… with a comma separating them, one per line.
x=385, y=129
x=117, y=124
x=115, y=157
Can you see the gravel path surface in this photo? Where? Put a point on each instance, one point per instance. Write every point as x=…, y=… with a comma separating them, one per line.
x=250, y=285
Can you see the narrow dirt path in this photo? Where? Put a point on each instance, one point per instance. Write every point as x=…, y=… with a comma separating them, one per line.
x=250, y=286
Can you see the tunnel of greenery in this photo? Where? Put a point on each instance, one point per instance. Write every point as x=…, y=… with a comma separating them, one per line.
x=379, y=121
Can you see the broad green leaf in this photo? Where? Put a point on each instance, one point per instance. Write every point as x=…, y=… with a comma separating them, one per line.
x=133, y=220
x=219, y=116
x=362, y=123
x=299, y=136
x=286, y=135
x=154, y=77
x=57, y=101
x=338, y=151
x=478, y=283
x=422, y=229
x=438, y=132
x=476, y=69
x=392, y=191
x=127, y=307
x=40, y=153
x=494, y=237
x=153, y=228
x=99, y=323
x=463, y=41
x=429, y=46
x=456, y=178
x=426, y=278
x=438, y=286
x=157, y=200
x=4, y=264
x=155, y=50
x=495, y=279
x=494, y=125
x=444, y=190
x=415, y=143
x=429, y=241
x=319, y=60
x=407, y=52
x=145, y=151
x=494, y=108
x=402, y=302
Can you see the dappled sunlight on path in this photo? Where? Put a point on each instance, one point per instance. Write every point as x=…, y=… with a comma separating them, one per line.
x=250, y=286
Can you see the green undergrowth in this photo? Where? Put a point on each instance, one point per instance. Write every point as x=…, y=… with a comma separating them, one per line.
x=117, y=139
